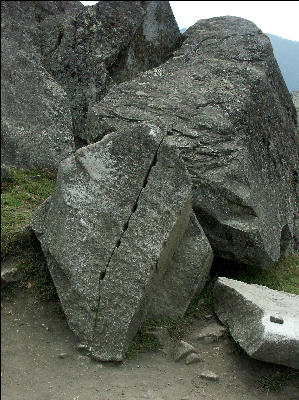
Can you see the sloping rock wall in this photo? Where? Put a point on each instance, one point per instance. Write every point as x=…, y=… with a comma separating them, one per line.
x=108, y=43
x=36, y=119
x=263, y=321
x=295, y=98
x=231, y=117
x=118, y=214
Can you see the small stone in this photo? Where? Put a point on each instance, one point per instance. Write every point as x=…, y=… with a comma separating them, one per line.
x=208, y=316
x=183, y=349
x=35, y=178
x=276, y=320
x=11, y=274
x=192, y=358
x=211, y=376
x=45, y=326
x=211, y=333
x=62, y=355
x=83, y=347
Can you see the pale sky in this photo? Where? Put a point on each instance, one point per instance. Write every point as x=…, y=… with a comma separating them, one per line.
x=277, y=17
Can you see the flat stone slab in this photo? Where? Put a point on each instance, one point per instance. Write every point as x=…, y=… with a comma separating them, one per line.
x=118, y=213
x=263, y=321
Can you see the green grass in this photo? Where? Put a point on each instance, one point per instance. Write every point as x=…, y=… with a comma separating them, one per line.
x=144, y=341
x=20, y=196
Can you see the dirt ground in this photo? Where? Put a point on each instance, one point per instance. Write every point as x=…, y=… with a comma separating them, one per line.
x=34, y=336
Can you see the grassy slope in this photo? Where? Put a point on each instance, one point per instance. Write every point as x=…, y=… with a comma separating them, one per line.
x=20, y=196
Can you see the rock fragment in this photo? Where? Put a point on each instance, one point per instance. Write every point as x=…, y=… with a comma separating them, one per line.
x=185, y=277
x=255, y=314
x=209, y=375
x=182, y=349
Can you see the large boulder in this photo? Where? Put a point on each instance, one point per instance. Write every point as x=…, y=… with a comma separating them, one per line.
x=263, y=321
x=118, y=214
x=231, y=117
x=36, y=123
x=108, y=43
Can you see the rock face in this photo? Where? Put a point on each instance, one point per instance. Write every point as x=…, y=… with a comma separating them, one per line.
x=36, y=118
x=263, y=321
x=118, y=214
x=295, y=98
x=231, y=117
x=191, y=264
x=105, y=44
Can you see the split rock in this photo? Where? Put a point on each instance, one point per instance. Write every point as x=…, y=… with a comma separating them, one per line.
x=230, y=115
x=109, y=229
x=255, y=314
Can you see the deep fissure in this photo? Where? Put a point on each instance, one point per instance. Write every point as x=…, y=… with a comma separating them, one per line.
x=126, y=225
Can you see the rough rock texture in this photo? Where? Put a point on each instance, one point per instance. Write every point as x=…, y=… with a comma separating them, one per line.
x=191, y=264
x=118, y=213
x=108, y=43
x=229, y=113
x=263, y=321
x=295, y=98
x=36, y=125
x=36, y=119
